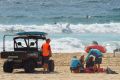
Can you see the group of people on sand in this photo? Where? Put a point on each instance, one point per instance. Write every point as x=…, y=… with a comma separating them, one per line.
x=89, y=64
x=92, y=62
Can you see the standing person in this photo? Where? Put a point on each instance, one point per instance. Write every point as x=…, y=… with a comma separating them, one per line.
x=46, y=53
x=96, y=50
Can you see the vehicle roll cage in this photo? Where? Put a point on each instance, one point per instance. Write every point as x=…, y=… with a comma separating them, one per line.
x=26, y=38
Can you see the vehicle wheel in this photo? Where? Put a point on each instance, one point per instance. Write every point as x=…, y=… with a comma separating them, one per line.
x=29, y=66
x=8, y=66
x=51, y=66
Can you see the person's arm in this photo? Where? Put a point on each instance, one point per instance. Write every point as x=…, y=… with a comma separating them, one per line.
x=40, y=52
x=87, y=49
x=88, y=56
x=78, y=62
x=71, y=62
x=50, y=51
x=41, y=49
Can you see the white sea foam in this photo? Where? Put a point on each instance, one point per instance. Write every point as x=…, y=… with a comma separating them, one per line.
x=68, y=45
x=64, y=28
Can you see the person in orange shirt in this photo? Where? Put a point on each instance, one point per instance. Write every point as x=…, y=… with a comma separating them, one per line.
x=46, y=53
x=98, y=48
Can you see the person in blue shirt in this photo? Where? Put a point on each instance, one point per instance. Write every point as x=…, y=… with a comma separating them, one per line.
x=75, y=65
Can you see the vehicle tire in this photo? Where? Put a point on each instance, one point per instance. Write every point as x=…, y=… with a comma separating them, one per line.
x=29, y=66
x=8, y=66
x=51, y=66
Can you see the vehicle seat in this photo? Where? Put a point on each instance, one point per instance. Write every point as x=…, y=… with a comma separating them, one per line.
x=32, y=44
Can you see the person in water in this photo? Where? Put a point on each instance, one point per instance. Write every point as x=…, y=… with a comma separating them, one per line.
x=96, y=50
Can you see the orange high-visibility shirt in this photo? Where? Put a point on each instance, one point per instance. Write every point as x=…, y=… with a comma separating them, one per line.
x=45, y=49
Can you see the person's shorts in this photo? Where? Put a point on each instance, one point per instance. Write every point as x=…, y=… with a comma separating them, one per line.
x=45, y=59
x=98, y=60
x=74, y=68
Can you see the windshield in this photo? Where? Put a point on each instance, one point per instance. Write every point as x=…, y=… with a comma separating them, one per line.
x=21, y=43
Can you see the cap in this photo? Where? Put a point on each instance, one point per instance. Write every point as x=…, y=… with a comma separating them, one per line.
x=94, y=42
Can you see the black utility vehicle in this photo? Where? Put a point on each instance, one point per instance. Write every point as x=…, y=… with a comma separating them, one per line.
x=26, y=53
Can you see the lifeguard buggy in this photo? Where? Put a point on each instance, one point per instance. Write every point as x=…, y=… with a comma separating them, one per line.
x=26, y=53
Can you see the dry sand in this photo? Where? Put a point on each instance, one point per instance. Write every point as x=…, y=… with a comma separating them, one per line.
x=62, y=71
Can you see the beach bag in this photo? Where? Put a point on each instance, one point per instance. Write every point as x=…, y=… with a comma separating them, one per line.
x=110, y=71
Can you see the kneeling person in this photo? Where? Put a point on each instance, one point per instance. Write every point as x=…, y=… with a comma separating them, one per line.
x=75, y=65
x=90, y=64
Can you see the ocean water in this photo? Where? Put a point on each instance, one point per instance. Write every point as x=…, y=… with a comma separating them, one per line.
x=71, y=24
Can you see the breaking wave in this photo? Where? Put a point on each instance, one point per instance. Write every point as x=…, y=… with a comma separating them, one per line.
x=69, y=45
x=64, y=28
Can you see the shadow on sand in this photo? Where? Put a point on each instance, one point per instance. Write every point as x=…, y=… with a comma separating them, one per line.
x=36, y=72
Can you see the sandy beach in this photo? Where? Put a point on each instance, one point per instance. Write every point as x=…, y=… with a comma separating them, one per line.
x=62, y=71
x=71, y=25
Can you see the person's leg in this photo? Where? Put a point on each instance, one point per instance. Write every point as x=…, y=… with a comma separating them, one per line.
x=96, y=64
x=45, y=65
x=78, y=69
x=99, y=62
x=95, y=67
x=81, y=69
x=98, y=67
x=75, y=69
x=71, y=69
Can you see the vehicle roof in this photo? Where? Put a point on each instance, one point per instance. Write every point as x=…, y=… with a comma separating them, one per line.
x=31, y=35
